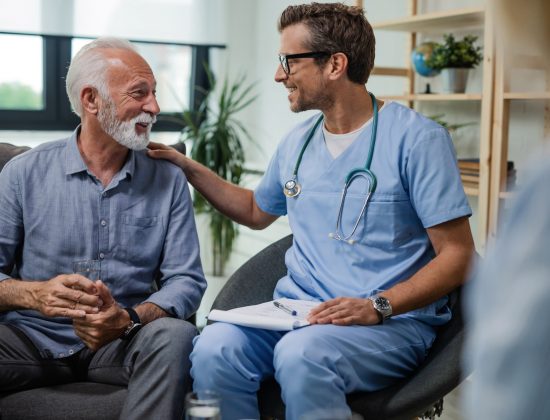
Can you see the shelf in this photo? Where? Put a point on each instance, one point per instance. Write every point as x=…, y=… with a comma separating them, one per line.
x=436, y=22
x=527, y=95
x=391, y=71
x=435, y=97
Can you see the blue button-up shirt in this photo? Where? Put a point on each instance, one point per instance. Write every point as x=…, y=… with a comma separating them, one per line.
x=54, y=211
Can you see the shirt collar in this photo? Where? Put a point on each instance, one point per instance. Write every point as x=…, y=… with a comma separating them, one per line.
x=75, y=164
x=73, y=160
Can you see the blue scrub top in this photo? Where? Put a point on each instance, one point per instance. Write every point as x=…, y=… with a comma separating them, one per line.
x=419, y=186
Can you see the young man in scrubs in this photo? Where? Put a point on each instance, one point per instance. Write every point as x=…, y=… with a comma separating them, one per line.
x=382, y=293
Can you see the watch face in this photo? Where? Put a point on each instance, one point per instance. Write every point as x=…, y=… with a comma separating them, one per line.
x=382, y=303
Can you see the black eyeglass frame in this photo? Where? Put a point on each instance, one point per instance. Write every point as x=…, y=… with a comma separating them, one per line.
x=283, y=58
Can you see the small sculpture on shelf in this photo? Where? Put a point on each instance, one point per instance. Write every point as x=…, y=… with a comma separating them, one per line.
x=419, y=58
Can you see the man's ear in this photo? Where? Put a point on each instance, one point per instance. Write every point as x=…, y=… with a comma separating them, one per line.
x=89, y=98
x=337, y=66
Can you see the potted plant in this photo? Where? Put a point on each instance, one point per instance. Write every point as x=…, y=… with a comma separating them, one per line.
x=455, y=59
x=217, y=142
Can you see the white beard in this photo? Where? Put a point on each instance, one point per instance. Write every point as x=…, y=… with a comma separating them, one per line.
x=124, y=132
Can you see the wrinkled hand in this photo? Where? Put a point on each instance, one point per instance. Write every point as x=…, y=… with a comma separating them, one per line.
x=344, y=311
x=98, y=329
x=161, y=151
x=67, y=295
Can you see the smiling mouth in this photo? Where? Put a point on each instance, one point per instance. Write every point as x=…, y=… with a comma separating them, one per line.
x=142, y=124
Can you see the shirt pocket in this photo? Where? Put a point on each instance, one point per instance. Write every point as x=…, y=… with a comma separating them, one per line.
x=142, y=238
x=390, y=224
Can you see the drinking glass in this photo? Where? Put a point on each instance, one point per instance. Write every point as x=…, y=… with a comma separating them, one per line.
x=202, y=405
x=88, y=268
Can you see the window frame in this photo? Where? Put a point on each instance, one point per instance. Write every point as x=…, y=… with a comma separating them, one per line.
x=57, y=113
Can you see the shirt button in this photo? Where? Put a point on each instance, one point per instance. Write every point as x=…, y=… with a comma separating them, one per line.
x=71, y=351
x=101, y=255
x=61, y=354
x=103, y=223
x=104, y=194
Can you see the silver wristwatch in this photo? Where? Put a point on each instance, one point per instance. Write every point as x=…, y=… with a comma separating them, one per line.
x=382, y=306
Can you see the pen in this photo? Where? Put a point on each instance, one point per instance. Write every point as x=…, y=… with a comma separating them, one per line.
x=285, y=308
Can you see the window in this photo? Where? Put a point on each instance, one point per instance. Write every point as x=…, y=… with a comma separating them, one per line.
x=21, y=81
x=32, y=80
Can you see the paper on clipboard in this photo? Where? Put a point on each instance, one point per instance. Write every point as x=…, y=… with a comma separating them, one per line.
x=267, y=316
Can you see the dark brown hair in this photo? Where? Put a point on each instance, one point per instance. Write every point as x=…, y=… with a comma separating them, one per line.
x=335, y=27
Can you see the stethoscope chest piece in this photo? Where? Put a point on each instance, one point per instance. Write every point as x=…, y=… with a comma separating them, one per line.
x=292, y=188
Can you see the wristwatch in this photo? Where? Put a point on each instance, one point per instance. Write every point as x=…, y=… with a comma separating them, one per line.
x=382, y=306
x=133, y=327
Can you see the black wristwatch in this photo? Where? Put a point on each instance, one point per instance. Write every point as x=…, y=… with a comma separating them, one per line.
x=133, y=327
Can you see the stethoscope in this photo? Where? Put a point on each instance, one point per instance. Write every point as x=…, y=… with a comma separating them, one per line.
x=292, y=187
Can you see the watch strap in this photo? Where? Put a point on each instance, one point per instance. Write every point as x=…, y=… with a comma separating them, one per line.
x=133, y=327
x=133, y=315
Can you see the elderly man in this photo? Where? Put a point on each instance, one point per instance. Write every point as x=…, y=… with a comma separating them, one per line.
x=96, y=198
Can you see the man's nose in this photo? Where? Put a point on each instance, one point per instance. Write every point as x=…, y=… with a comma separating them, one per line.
x=280, y=74
x=152, y=106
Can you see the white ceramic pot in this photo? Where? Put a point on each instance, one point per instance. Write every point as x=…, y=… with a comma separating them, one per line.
x=455, y=79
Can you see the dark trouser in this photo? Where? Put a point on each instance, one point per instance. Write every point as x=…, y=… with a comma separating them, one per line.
x=154, y=365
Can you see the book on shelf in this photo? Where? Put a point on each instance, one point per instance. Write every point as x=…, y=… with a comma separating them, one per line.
x=472, y=164
x=472, y=179
x=469, y=173
x=468, y=164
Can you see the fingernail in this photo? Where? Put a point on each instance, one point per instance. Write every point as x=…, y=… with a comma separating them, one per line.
x=95, y=310
x=94, y=290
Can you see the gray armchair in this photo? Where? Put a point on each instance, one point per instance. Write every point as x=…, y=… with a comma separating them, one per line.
x=421, y=393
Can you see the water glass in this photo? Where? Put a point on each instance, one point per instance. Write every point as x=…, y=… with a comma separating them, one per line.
x=90, y=269
x=202, y=405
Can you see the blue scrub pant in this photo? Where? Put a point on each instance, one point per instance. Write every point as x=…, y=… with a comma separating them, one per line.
x=316, y=366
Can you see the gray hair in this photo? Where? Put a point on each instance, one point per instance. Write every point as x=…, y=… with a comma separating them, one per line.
x=89, y=68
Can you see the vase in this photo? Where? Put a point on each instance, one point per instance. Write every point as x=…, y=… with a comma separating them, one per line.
x=454, y=79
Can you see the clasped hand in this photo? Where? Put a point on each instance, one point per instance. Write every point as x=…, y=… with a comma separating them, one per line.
x=344, y=311
x=97, y=318
x=67, y=295
x=99, y=328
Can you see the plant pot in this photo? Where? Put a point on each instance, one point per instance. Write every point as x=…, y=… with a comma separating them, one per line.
x=454, y=79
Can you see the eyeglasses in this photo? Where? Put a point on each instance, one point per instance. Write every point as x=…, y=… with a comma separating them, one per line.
x=283, y=58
